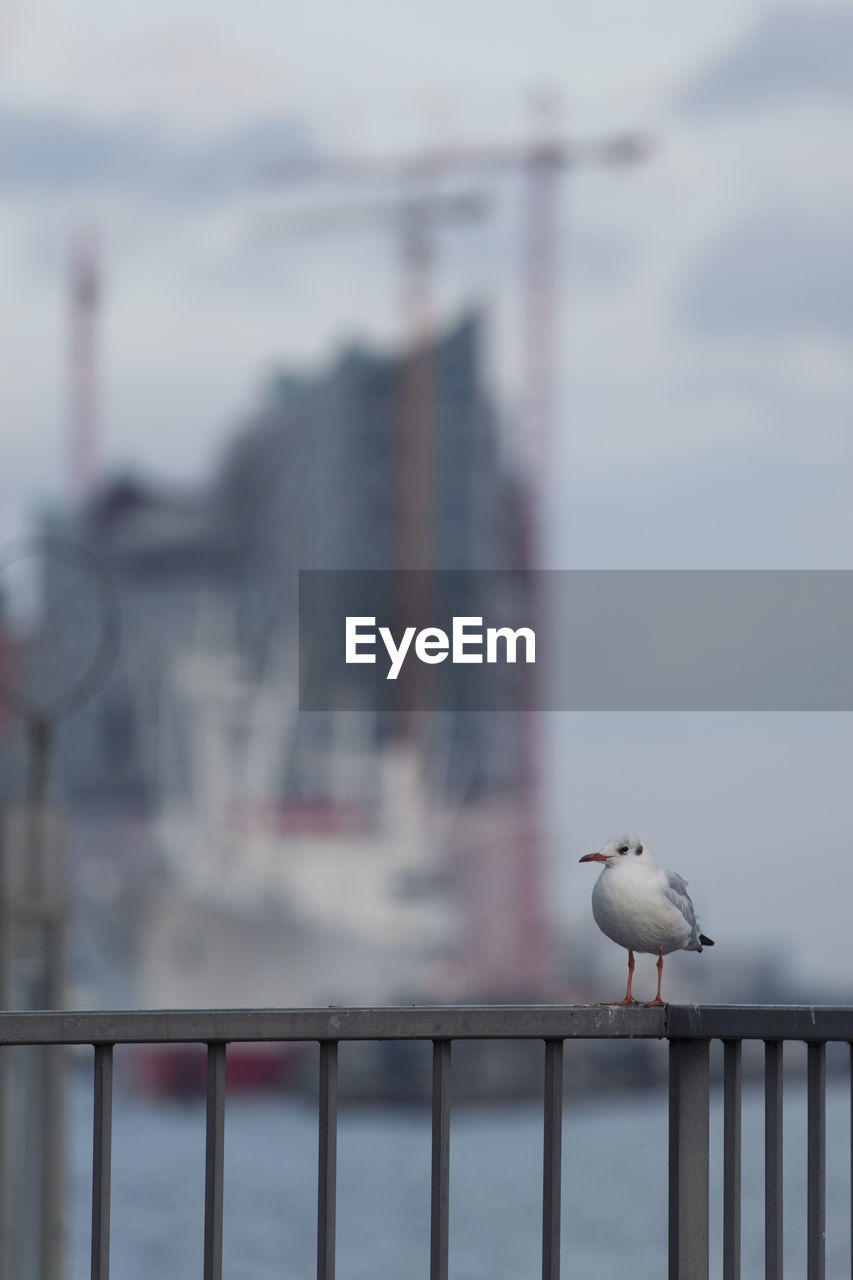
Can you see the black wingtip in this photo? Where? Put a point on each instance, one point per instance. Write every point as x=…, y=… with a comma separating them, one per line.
x=706, y=942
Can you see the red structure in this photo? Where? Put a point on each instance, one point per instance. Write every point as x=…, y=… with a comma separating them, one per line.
x=83, y=299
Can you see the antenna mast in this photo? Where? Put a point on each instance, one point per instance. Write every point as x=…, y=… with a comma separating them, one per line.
x=83, y=302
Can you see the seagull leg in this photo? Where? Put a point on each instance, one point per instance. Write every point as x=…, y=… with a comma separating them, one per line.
x=629, y=999
x=657, y=999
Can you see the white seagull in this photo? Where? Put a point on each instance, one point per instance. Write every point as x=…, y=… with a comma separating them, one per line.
x=642, y=907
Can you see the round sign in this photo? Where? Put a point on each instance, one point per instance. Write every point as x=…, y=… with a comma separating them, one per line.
x=59, y=626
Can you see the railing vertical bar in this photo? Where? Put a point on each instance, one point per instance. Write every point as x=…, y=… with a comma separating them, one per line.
x=214, y=1167
x=440, y=1181
x=773, y=1160
x=552, y=1159
x=102, y=1127
x=689, y=1089
x=731, y=1159
x=851, y=1160
x=816, y=1144
x=327, y=1160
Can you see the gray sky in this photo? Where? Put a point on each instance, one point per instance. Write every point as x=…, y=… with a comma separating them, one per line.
x=705, y=385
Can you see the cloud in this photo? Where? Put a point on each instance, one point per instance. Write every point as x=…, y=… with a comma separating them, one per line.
x=44, y=152
x=777, y=274
x=793, y=51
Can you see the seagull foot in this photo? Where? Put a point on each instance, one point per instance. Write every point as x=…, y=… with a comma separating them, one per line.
x=628, y=1000
x=651, y=1004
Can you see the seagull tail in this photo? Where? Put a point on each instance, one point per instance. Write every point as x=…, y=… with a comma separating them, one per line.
x=706, y=942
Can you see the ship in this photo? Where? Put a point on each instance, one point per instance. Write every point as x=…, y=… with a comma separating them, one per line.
x=349, y=893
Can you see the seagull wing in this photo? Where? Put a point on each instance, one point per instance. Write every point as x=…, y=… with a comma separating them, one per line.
x=675, y=891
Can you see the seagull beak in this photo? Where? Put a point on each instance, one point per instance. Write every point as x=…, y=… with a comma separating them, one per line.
x=593, y=857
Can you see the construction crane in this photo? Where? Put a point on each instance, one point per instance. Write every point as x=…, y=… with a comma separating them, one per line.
x=541, y=162
x=83, y=302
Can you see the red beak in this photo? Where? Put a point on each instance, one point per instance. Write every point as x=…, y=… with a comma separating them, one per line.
x=593, y=857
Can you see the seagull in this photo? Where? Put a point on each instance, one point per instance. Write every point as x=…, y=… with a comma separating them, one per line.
x=642, y=907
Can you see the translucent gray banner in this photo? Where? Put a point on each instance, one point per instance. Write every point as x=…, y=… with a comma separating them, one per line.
x=585, y=641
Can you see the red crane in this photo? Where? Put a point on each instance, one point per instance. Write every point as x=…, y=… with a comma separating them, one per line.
x=522, y=921
x=83, y=302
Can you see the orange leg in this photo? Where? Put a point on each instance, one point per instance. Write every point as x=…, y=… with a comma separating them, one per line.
x=657, y=999
x=629, y=999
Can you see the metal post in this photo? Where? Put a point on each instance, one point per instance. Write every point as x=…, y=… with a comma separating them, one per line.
x=851, y=1070
x=5, y=1160
x=102, y=1161
x=773, y=1160
x=440, y=1184
x=688, y=1159
x=214, y=1161
x=32, y=913
x=731, y=1158
x=816, y=1161
x=552, y=1160
x=327, y=1161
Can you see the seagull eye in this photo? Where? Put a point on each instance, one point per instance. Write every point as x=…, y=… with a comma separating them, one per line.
x=623, y=848
x=638, y=850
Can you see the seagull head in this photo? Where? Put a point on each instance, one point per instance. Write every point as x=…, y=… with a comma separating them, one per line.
x=623, y=849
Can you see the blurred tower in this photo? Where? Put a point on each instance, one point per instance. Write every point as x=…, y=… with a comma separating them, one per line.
x=415, y=216
x=83, y=302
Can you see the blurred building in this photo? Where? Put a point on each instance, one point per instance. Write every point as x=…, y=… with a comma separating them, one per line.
x=312, y=480
x=13, y=779
x=315, y=480
x=300, y=857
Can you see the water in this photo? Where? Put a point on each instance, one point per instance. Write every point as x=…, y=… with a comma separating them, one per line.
x=614, y=1188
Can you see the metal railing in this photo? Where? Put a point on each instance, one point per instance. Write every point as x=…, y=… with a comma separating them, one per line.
x=689, y=1030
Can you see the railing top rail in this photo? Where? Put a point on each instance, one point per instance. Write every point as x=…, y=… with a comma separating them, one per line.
x=759, y=1022
x=418, y=1022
